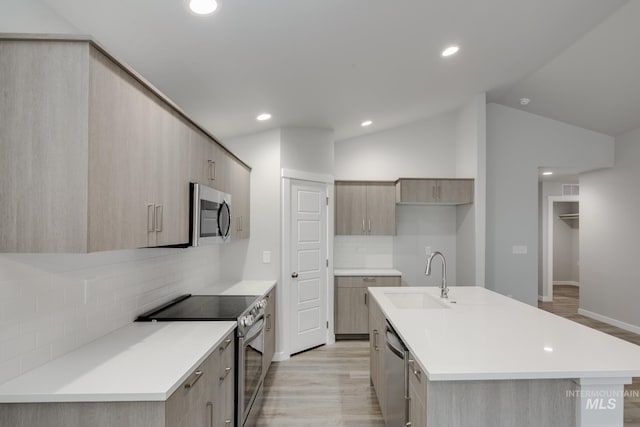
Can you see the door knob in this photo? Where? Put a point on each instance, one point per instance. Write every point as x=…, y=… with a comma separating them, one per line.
x=294, y=274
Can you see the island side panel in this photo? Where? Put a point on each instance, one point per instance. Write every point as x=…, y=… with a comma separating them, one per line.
x=83, y=414
x=501, y=403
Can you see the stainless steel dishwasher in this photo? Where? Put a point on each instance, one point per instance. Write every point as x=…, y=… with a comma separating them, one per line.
x=396, y=380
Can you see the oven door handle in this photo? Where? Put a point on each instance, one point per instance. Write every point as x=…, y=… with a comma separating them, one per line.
x=258, y=326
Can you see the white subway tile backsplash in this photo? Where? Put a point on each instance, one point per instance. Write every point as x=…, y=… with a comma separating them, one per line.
x=50, y=304
x=363, y=252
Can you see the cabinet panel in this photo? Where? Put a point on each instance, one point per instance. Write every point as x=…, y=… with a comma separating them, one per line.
x=434, y=191
x=376, y=348
x=352, y=316
x=120, y=167
x=190, y=404
x=240, y=200
x=269, y=331
x=223, y=404
x=417, y=191
x=381, y=209
x=351, y=204
x=43, y=146
x=455, y=191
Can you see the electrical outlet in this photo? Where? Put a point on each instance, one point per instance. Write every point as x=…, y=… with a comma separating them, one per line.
x=266, y=257
x=427, y=250
x=519, y=250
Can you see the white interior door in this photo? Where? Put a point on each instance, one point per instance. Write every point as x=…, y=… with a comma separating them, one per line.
x=308, y=265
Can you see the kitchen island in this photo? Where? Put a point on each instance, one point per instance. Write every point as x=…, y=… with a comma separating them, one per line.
x=483, y=359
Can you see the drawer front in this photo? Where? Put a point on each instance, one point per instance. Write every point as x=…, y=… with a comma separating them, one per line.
x=417, y=379
x=366, y=281
x=224, y=414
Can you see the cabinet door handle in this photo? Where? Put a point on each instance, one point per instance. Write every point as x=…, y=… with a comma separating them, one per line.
x=433, y=192
x=227, y=422
x=365, y=298
x=369, y=225
x=210, y=407
x=224, y=346
x=158, y=214
x=439, y=193
x=363, y=230
x=241, y=223
x=268, y=327
x=375, y=340
x=225, y=374
x=151, y=218
x=416, y=372
x=408, y=424
x=369, y=279
x=198, y=375
x=212, y=170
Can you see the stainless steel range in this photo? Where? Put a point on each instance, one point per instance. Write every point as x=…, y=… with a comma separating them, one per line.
x=248, y=311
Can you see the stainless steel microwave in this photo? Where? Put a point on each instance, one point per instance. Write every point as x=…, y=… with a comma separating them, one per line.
x=210, y=216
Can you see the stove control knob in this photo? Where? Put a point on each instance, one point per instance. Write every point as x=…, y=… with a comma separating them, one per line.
x=247, y=320
x=262, y=304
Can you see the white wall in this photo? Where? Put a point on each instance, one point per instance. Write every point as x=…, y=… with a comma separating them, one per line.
x=609, y=230
x=32, y=16
x=363, y=252
x=307, y=149
x=517, y=144
x=426, y=148
x=51, y=304
x=418, y=227
x=243, y=259
x=470, y=219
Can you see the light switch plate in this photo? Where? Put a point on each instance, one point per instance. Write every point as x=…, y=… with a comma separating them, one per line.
x=266, y=257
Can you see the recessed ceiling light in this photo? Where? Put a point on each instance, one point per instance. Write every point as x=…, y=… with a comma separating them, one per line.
x=203, y=7
x=264, y=116
x=451, y=50
x=366, y=123
x=549, y=349
x=547, y=173
x=524, y=101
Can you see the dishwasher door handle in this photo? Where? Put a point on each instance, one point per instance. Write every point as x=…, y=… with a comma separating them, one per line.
x=394, y=343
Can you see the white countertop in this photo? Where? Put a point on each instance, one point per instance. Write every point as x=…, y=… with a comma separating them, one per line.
x=487, y=336
x=366, y=272
x=245, y=287
x=140, y=362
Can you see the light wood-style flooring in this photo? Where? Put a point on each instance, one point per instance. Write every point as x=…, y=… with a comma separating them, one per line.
x=329, y=386
x=565, y=303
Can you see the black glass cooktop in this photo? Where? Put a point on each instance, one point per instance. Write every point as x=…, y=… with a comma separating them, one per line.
x=201, y=307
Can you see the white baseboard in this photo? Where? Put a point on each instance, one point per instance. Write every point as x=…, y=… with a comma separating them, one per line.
x=545, y=298
x=280, y=356
x=622, y=325
x=566, y=282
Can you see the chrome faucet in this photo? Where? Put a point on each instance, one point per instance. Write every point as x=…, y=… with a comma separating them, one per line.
x=444, y=291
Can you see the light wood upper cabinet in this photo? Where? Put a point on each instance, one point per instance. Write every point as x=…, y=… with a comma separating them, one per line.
x=365, y=208
x=92, y=157
x=434, y=191
x=138, y=164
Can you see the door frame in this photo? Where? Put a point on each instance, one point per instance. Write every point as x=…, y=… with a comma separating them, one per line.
x=550, y=221
x=288, y=177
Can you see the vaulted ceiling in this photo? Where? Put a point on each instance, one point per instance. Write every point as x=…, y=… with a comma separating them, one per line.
x=335, y=63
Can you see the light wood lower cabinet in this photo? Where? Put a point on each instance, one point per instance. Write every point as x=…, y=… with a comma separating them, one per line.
x=204, y=399
x=351, y=306
x=417, y=394
x=269, y=331
x=377, y=324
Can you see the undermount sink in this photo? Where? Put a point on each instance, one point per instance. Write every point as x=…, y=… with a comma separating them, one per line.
x=415, y=300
